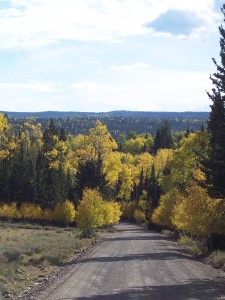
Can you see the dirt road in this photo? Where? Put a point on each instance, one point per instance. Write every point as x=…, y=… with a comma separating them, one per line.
x=137, y=264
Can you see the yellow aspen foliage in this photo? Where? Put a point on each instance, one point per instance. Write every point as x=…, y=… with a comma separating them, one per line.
x=108, y=212
x=163, y=214
x=48, y=214
x=116, y=212
x=5, y=146
x=128, y=209
x=112, y=168
x=9, y=211
x=144, y=162
x=126, y=178
x=185, y=165
x=64, y=212
x=196, y=213
x=163, y=156
x=30, y=211
x=101, y=141
x=134, y=146
x=90, y=210
x=139, y=216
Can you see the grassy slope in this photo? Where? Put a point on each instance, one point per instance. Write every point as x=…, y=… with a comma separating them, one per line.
x=29, y=252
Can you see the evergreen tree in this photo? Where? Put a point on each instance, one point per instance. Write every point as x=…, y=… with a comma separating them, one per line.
x=48, y=136
x=153, y=191
x=62, y=135
x=215, y=165
x=90, y=175
x=163, y=137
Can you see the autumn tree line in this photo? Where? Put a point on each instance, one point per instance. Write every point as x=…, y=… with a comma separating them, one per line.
x=48, y=175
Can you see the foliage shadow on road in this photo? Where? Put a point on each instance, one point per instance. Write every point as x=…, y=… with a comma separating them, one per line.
x=141, y=257
x=195, y=289
x=137, y=238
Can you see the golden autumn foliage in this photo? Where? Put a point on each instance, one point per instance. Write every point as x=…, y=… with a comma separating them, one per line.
x=9, y=211
x=185, y=166
x=128, y=209
x=116, y=212
x=62, y=212
x=30, y=211
x=197, y=213
x=112, y=168
x=163, y=214
x=139, y=216
x=162, y=158
x=94, y=212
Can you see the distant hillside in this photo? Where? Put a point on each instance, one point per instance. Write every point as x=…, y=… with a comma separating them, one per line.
x=112, y=114
x=117, y=122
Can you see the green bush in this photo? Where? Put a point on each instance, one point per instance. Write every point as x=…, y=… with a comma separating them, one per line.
x=217, y=259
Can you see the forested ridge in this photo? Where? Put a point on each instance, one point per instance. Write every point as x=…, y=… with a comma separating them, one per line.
x=120, y=124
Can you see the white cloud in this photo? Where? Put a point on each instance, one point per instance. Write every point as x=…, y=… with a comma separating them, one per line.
x=155, y=90
x=32, y=23
x=135, y=66
x=29, y=87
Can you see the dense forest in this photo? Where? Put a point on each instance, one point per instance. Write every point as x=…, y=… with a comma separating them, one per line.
x=111, y=114
x=160, y=178
x=118, y=125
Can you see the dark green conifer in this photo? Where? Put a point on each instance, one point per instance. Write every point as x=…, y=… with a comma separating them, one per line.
x=215, y=165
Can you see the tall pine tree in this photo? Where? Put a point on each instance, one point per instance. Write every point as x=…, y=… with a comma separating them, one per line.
x=215, y=166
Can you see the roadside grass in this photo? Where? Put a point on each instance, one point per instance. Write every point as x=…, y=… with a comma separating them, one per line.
x=169, y=234
x=29, y=252
x=195, y=247
x=217, y=259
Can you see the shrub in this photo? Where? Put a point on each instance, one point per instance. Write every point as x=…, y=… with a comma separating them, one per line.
x=139, y=216
x=128, y=210
x=64, y=212
x=90, y=213
x=30, y=211
x=217, y=259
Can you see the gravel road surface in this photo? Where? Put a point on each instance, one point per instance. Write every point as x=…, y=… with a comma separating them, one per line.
x=135, y=263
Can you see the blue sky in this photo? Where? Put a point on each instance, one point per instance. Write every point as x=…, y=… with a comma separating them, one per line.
x=95, y=55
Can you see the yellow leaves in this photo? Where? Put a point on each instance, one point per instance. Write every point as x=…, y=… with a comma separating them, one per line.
x=94, y=212
x=163, y=156
x=52, y=154
x=30, y=211
x=134, y=146
x=90, y=212
x=196, y=213
x=9, y=211
x=163, y=214
x=4, y=124
x=126, y=178
x=101, y=141
x=144, y=162
x=116, y=212
x=112, y=168
x=139, y=216
x=128, y=209
x=62, y=212
x=4, y=154
x=185, y=164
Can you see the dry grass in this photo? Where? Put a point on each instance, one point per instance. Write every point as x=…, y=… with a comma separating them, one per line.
x=28, y=252
x=217, y=259
x=194, y=246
